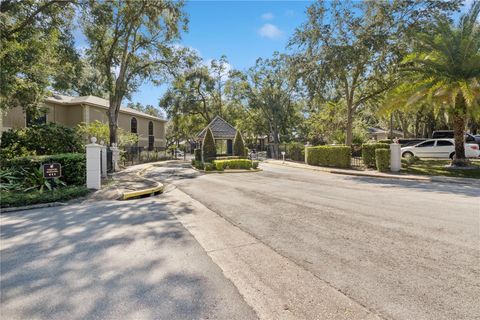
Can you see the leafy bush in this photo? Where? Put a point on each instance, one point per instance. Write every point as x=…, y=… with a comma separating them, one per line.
x=254, y=164
x=385, y=141
x=208, y=166
x=238, y=145
x=193, y=162
x=295, y=151
x=101, y=131
x=409, y=161
x=335, y=156
x=198, y=154
x=229, y=157
x=382, y=159
x=221, y=165
x=198, y=165
x=41, y=139
x=368, y=153
x=15, y=199
x=73, y=166
x=208, y=147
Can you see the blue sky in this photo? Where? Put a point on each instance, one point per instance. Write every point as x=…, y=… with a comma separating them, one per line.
x=241, y=30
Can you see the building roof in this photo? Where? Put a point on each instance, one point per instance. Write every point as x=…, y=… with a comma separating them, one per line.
x=97, y=102
x=372, y=130
x=221, y=129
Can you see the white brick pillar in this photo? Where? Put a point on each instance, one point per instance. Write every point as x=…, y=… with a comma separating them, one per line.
x=94, y=174
x=395, y=157
x=104, y=159
x=115, y=157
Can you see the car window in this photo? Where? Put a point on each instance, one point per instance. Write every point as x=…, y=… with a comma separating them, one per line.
x=444, y=143
x=426, y=144
x=469, y=138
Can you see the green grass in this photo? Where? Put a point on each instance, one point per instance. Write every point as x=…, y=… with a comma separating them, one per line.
x=18, y=199
x=437, y=168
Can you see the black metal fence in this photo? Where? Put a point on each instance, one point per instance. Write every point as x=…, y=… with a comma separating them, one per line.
x=136, y=155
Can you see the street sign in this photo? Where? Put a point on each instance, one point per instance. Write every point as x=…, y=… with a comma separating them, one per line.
x=52, y=170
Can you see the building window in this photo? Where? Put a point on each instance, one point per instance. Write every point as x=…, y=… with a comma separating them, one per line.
x=35, y=118
x=151, y=137
x=133, y=125
x=151, y=142
x=150, y=128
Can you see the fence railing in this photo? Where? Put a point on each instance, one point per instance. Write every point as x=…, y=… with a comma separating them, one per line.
x=136, y=155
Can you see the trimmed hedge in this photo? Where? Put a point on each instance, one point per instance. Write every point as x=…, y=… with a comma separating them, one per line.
x=238, y=145
x=255, y=164
x=73, y=166
x=221, y=165
x=208, y=146
x=334, y=156
x=198, y=154
x=382, y=159
x=16, y=199
x=368, y=153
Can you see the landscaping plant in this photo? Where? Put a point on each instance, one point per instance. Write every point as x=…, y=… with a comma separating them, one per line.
x=368, y=153
x=41, y=139
x=382, y=159
x=334, y=156
x=209, y=151
x=238, y=145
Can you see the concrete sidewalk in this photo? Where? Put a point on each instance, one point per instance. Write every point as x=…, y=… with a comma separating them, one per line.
x=376, y=174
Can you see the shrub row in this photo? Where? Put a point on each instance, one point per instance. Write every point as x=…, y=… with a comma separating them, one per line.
x=295, y=151
x=368, y=153
x=73, y=166
x=221, y=165
x=382, y=159
x=49, y=138
x=334, y=156
x=16, y=199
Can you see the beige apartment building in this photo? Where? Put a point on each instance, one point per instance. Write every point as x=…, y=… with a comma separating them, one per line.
x=71, y=111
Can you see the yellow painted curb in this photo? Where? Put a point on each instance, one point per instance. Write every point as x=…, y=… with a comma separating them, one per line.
x=138, y=193
x=142, y=192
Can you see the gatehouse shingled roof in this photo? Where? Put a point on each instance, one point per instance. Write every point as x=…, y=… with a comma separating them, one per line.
x=221, y=129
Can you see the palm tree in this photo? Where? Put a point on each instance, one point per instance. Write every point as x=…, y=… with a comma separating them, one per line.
x=445, y=70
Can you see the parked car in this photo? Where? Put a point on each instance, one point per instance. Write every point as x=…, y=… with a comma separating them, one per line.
x=439, y=148
x=448, y=134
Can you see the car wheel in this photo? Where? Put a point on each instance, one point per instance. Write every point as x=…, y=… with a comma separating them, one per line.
x=407, y=155
x=452, y=155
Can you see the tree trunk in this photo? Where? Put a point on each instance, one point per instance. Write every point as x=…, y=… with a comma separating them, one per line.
x=349, y=127
x=459, y=116
x=112, y=114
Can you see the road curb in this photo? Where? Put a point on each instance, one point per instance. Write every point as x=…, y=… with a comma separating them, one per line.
x=146, y=191
x=227, y=171
x=33, y=206
x=385, y=176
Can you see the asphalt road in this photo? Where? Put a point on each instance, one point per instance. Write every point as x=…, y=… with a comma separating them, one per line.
x=402, y=249
x=109, y=260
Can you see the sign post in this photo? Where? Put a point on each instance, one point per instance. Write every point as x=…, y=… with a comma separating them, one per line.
x=52, y=170
x=283, y=156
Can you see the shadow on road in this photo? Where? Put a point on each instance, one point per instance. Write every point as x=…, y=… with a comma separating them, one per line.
x=84, y=262
x=437, y=187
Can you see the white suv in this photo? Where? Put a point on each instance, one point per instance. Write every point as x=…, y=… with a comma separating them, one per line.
x=439, y=148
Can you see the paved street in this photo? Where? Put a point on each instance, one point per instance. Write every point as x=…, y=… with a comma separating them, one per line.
x=402, y=249
x=109, y=260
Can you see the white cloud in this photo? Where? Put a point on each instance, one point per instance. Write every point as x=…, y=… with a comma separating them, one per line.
x=270, y=31
x=267, y=16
